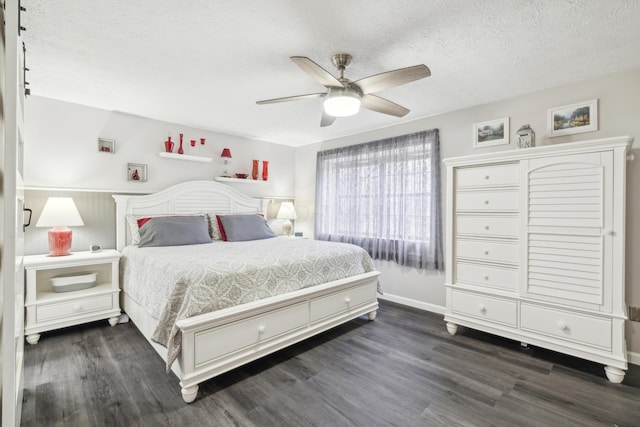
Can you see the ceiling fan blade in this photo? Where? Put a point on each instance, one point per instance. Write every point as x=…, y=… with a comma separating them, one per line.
x=318, y=73
x=326, y=120
x=393, y=78
x=291, y=98
x=381, y=105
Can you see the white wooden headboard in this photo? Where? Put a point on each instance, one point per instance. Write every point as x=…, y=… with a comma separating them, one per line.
x=187, y=197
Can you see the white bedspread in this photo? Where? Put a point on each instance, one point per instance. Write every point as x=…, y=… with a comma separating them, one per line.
x=178, y=282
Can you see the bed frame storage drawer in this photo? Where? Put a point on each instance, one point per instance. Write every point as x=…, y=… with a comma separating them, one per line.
x=251, y=332
x=486, y=308
x=73, y=308
x=333, y=304
x=568, y=326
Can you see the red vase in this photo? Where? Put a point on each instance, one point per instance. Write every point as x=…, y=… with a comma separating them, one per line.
x=254, y=171
x=193, y=142
x=180, y=150
x=168, y=145
x=265, y=170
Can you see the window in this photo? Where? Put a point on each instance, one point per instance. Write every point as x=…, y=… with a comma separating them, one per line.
x=385, y=197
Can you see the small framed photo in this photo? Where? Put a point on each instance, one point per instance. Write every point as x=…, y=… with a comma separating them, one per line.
x=575, y=118
x=136, y=172
x=106, y=145
x=493, y=132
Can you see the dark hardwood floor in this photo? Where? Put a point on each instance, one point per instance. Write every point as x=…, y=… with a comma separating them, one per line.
x=402, y=369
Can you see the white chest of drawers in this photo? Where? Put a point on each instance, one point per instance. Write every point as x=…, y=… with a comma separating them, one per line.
x=535, y=247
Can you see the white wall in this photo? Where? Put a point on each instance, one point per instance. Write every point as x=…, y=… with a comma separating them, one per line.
x=619, y=110
x=61, y=149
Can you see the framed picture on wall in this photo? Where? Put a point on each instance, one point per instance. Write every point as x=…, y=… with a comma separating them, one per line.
x=574, y=118
x=136, y=172
x=493, y=132
x=106, y=145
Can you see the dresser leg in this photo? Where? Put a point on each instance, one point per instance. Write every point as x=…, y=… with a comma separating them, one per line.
x=372, y=314
x=33, y=339
x=615, y=375
x=452, y=328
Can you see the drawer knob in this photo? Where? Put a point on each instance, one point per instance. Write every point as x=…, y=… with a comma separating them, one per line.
x=347, y=300
x=486, y=277
x=76, y=307
x=486, y=202
x=486, y=227
x=562, y=326
x=261, y=329
x=486, y=177
x=482, y=308
x=486, y=252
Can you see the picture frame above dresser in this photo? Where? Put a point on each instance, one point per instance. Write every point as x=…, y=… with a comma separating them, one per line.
x=535, y=247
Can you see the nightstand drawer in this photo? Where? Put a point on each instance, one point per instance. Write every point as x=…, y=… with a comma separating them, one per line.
x=73, y=308
x=487, y=201
x=487, y=308
x=339, y=302
x=566, y=326
x=486, y=176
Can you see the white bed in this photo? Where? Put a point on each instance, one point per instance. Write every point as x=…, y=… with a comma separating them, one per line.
x=218, y=341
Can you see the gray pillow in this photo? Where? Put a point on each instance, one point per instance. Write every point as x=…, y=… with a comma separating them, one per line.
x=240, y=228
x=173, y=231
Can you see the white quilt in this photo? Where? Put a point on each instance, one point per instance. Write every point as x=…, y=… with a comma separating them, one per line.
x=178, y=282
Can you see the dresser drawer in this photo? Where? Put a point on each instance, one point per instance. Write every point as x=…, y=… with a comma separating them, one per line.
x=243, y=334
x=487, y=226
x=495, y=277
x=73, y=308
x=487, y=308
x=584, y=329
x=487, y=201
x=487, y=251
x=485, y=176
x=342, y=301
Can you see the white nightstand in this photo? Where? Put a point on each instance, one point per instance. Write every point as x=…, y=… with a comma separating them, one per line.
x=47, y=310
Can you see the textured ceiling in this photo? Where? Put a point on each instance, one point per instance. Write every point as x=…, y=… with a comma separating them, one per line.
x=205, y=63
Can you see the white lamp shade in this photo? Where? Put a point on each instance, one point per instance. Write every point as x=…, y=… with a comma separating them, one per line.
x=342, y=102
x=286, y=211
x=60, y=212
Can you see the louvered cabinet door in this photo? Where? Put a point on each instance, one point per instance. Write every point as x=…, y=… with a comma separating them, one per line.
x=569, y=224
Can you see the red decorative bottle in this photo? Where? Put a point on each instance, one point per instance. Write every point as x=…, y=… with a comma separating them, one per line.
x=168, y=145
x=254, y=171
x=180, y=150
x=265, y=170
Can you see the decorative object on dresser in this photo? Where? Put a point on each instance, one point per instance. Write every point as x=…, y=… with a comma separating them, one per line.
x=225, y=162
x=106, y=145
x=493, y=132
x=287, y=212
x=526, y=137
x=180, y=149
x=60, y=213
x=65, y=291
x=535, y=247
x=137, y=172
x=574, y=118
x=168, y=145
x=265, y=170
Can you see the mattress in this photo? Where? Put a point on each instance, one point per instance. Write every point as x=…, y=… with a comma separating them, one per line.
x=177, y=282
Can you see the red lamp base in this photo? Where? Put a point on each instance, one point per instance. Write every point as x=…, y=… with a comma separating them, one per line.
x=59, y=241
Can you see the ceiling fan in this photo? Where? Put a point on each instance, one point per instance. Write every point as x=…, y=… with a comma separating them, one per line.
x=344, y=97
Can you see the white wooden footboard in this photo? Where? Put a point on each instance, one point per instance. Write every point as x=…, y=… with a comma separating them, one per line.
x=217, y=342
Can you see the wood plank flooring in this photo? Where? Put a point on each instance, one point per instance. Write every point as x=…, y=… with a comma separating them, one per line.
x=402, y=369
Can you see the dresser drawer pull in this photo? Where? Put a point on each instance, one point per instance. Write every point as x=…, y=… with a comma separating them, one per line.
x=482, y=308
x=486, y=277
x=347, y=300
x=562, y=326
x=486, y=177
x=76, y=307
x=486, y=202
x=486, y=227
x=486, y=252
x=262, y=329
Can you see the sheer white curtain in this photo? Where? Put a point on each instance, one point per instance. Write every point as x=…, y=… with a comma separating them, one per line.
x=385, y=197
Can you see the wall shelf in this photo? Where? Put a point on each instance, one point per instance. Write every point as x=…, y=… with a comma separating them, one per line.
x=238, y=180
x=185, y=157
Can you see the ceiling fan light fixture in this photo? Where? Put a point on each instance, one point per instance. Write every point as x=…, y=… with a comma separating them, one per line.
x=342, y=102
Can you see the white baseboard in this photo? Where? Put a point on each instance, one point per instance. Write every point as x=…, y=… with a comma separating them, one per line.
x=413, y=303
x=633, y=358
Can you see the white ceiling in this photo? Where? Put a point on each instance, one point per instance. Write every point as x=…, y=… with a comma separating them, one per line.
x=205, y=63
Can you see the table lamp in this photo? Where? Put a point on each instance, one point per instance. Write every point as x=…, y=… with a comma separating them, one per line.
x=59, y=213
x=287, y=212
x=225, y=162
